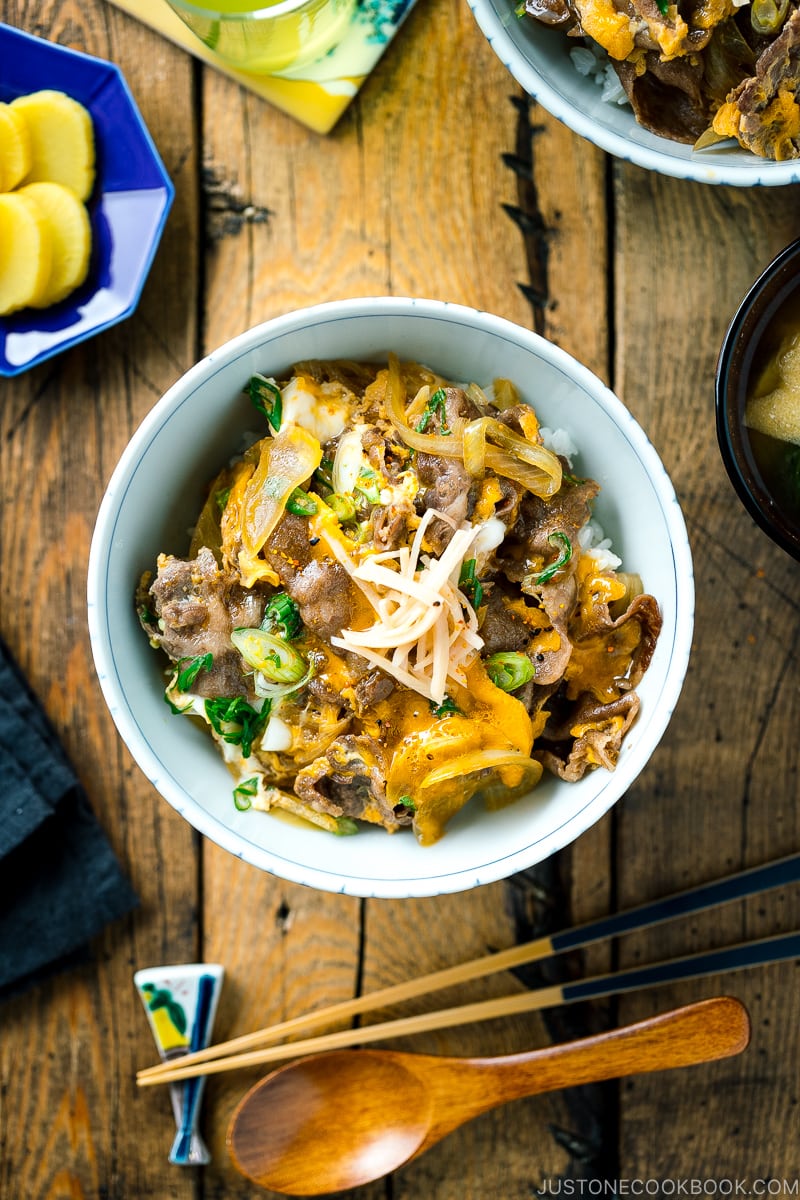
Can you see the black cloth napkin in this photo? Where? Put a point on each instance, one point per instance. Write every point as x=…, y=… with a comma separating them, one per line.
x=60, y=882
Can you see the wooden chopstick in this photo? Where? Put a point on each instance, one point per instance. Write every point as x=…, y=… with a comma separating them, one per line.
x=749, y=882
x=694, y=966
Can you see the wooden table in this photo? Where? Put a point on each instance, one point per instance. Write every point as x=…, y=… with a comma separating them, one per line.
x=441, y=180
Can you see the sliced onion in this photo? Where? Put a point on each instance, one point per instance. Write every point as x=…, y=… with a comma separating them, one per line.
x=446, y=445
x=507, y=454
x=533, y=478
x=474, y=443
x=348, y=461
x=286, y=461
x=482, y=760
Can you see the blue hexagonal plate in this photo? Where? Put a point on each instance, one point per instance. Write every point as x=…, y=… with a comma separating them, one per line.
x=127, y=209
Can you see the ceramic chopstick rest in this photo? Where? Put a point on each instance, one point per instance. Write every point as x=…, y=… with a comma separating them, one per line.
x=181, y=1003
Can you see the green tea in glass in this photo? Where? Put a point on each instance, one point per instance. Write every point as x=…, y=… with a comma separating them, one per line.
x=263, y=37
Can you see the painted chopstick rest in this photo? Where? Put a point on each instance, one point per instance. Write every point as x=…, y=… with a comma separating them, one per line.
x=181, y=1003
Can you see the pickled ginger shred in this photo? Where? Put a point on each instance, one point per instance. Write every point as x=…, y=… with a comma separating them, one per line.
x=425, y=630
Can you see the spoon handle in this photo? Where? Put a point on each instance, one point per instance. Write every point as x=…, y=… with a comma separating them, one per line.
x=697, y=1033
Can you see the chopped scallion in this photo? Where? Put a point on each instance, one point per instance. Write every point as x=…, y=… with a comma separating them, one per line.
x=243, y=793
x=302, y=504
x=272, y=656
x=265, y=395
x=282, y=617
x=236, y=721
x=562, y=560
x=435, y=406
x=470, y=584
x=447, y=708
x=187, y=675
x=509, y=670
x=343, y=506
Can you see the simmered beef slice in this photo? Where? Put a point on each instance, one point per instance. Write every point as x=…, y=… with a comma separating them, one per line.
x=323, y=593
x=763, y=112
x=349, y=780
x=635, y=632
x=320, y=586
x=450, y=489
x=197, y=607
x=390, y=526
x=448, y=485
x=601, y=727
x=567, y=512
x=668, y=98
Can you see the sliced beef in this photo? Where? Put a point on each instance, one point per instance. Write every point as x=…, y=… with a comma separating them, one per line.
x=371, y=689
x=567, y=512
x=349, y=781
x=501, y=629
x=450, y=489
x=320, y=587
x=390, y=525
x=668, y=98
x=602, y=729
x=448, y=485
x=763, y=111
x=196, y=608
x=595, y=622
x=288, y=547
x=324, y=595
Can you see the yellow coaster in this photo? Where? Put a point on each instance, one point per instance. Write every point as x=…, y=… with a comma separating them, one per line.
x=316, y=94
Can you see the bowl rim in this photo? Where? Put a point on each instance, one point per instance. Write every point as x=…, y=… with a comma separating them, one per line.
x=753, y=314
x=751, y=172
x=395, y=886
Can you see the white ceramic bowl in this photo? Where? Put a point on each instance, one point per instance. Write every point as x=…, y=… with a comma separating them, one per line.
x=155, y=494
x=539, y=60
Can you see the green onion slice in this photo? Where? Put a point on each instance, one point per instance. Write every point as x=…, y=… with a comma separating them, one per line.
x=302, y=504
x=236, y=721
x=277, y=661
x=187, y=675
x=435, y=405
x=243, y=793
x=265, y=395
x=562, y=560
x=509, y=670
x=343, y=506
x=470, y=584
x=282, y=617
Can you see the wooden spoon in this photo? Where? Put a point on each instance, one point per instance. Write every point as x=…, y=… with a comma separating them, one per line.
x=338, y=1120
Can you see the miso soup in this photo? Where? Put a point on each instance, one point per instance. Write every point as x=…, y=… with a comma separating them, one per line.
x=772, y=411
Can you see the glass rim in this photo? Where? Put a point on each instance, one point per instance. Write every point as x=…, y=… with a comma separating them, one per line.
x=269, y=11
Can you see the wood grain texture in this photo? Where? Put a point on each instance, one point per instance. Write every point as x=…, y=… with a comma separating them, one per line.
x=444, y=181
x=721, y=791
x=69, y=1117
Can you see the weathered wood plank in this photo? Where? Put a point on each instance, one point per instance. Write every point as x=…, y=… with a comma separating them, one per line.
x=406, y=197
x=72, y=1121
x=720, y=792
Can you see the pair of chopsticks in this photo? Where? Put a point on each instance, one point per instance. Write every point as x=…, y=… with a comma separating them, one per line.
x=239, y=1051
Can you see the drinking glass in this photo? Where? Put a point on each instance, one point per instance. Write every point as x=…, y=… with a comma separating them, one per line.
x=264, y=37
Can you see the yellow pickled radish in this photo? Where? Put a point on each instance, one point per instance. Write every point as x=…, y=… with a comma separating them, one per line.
x=70, y=236
x=25, y=253
x=15, y=148
x=62, y=140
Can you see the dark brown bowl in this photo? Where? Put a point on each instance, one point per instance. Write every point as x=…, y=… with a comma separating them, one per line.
x=777, y=286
